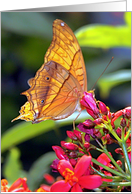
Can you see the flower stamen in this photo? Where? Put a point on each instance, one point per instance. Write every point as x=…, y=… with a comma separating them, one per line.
x=70, y=176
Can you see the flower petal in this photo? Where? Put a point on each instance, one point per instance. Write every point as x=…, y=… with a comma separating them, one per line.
x=82, y=165
x=90, y=182
x=60, y=186
x=63, y=164
x=104, y=159
x=76, y=188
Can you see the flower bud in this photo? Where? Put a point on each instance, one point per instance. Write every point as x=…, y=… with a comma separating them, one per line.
x=97, y=133
x=107, y=139
x=89, y=103
x=89, y=123
x=105, y=130
x=103, y=108
x=123, y=122
x=59, y=152
x=86, y=145
x=71, y=135
x=127, y=112
x=78, y=135
x=69, y=145
x=87, y=137
x=118, y=131
x=73, y=154
x=119, y=151
x=98, y=121
x=54, y=165
x=119, y=163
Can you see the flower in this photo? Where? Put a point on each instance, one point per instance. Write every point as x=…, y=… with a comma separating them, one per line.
x=69, y=145
x=19, y=185
x=89, y=103
x=103, y=108
x=126, y=112
x=59, y=152
x=104, y=159
x=76, y=178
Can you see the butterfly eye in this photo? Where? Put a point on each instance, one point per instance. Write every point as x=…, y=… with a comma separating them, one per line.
x=47, y=78
x=42, y=101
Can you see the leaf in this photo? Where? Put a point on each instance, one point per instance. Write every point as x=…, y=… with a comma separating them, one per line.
x=127, y=17
x=111, y=80
x=27, y=23
x=105, y=36
x=38, y=169
x=12, y=168
x=24, y=131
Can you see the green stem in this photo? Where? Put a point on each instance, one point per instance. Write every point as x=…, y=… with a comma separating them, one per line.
x=111, y=158
x=116, y=184
x=127, y=134
x=116, y=178
x=108, y=126
x=108, y=169
x=126, y=156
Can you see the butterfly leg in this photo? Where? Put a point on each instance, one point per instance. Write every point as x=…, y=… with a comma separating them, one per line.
x=75, y=120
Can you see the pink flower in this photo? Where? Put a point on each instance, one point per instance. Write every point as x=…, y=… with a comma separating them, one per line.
x=89, y=103
x=69, y=145
x=60, y=152
x=103, y=108
x=75, y=178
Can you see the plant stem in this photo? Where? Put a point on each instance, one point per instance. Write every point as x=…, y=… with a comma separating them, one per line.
x=108, y=169
x=111, y=158
x=126, y=156
x=116, y=184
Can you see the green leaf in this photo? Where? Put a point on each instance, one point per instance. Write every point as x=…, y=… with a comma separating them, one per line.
x=24, y=131
x=27, y=23
x=12, y=166
x=127, y=17
x=111, y=80
x=105, y=36
x=38, y=169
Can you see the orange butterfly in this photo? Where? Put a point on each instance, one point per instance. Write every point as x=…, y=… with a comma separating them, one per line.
x=58, y=86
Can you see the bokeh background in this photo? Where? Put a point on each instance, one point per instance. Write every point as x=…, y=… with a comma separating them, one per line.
x=25, y=38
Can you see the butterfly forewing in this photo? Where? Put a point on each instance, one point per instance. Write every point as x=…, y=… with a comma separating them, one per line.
x=65, y=50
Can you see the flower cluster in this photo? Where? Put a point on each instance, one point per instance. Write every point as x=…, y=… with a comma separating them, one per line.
x=100, y=129
x=80, y=169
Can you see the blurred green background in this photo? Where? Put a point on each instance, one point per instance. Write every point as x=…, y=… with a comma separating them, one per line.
x=25, y=38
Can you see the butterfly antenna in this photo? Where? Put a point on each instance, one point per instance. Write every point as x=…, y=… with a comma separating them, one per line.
x=102, y=72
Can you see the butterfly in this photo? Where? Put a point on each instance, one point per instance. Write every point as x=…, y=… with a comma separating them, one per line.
x=58, y=86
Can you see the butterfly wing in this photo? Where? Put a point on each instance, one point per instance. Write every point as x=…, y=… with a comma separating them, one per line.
x=54, y=94
x=58, y=86
x=65, y=50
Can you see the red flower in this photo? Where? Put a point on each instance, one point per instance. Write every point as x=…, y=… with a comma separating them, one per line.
x=75, y=180
x=107, y=174
x=19, y=185
x=104, y=159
